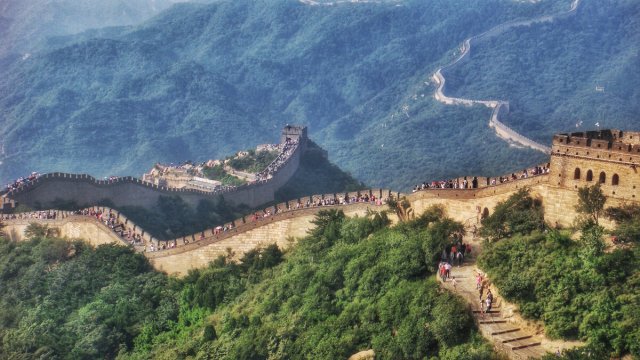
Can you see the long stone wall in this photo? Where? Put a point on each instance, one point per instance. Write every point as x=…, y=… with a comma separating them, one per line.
x=280, y=230
x=500, y=107
x=467, y=206
x=85, y=190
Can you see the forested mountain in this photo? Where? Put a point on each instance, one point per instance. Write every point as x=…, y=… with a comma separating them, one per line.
x=201, y=81
x=24, y=25
x=555, y=75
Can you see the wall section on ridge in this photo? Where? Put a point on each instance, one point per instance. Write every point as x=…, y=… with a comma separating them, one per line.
x=86, y=191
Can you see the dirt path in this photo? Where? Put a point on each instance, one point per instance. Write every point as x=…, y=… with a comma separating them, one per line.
x=503, y=326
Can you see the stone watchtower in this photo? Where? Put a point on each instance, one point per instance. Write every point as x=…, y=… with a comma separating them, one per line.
x=294, y=133
x=608, y=157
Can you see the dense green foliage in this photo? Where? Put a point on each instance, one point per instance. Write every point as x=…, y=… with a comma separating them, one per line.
x=591, y=202
x=217, y=172
x=578, y=288
x=63, y=299
x=627, y=219
x=352, y=284
x=201, y=81
x=549, y=72
x=519, y=214
x=253, y=161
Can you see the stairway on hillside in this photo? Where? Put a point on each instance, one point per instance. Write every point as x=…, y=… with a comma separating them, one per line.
x=509, y=333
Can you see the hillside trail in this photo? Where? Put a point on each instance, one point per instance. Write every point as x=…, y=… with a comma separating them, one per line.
x=510, y=334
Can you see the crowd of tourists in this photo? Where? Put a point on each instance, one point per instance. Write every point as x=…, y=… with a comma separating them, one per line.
x=487, y=302
x=21, y=182
x=36, y=215
x=453, y=254
x=110, y=219
x=466, y=184
x=287, y=149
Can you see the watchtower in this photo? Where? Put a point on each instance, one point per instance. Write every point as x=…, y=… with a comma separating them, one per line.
x=608, y=157
x=294, y=132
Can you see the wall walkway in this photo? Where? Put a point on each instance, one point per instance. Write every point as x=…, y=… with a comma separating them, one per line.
x=85, y=190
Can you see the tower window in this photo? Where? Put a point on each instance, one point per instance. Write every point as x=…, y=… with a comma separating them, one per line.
x=615, y=180
x=576, y=174
x=589, y=175
x=603, y=178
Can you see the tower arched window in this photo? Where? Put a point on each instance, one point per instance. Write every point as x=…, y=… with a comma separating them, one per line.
x=603, y=178
x=589, y=175
x=576, y=174
x=615, y=180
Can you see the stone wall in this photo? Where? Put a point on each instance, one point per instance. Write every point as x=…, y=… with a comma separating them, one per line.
x=282, y=231
x=88, y=229
x=85, y=190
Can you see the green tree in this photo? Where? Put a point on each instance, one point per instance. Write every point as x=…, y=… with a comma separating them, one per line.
x=38, y=231
x=519, y=214
x=627, y=218
x=591, y=202
x=402, y=208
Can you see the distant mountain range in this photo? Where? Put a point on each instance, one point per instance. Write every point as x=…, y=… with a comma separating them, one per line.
x=201, y=81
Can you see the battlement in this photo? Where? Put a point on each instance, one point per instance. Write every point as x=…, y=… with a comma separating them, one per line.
x=86, y=190
x=293, y=132
x=610, y=139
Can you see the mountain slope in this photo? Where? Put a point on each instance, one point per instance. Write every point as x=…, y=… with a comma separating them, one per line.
x=201, y=81
x=549, y=72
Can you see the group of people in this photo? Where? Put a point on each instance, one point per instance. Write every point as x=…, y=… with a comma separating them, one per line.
x=288, y=148
x=110, y=219
x=170, y=244
x=487, y=302
x=39, y=215
x=445, y=184
x=453, y=254
x=526, y=173
x=21, y=182
x=464, y=183
x=345, y=200
x=273, y=210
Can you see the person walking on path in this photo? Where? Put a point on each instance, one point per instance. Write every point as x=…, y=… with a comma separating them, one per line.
x=447, y=268
x=454, y=282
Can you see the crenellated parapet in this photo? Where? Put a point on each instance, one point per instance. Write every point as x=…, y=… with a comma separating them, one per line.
x=85, y=190
x=608, y=157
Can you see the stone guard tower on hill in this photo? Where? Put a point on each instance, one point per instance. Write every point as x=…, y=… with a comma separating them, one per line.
x=608, y=157
x=293, y=133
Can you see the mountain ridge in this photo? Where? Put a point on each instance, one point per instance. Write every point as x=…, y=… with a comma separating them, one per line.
x=289, y=72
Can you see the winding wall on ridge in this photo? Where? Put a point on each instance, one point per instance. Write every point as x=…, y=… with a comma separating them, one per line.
x=500, y=107
x=85, y=190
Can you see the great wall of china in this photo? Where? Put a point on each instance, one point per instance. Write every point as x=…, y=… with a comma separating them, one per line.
x=85, y=190
x=500, y=107
x=608, y=157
